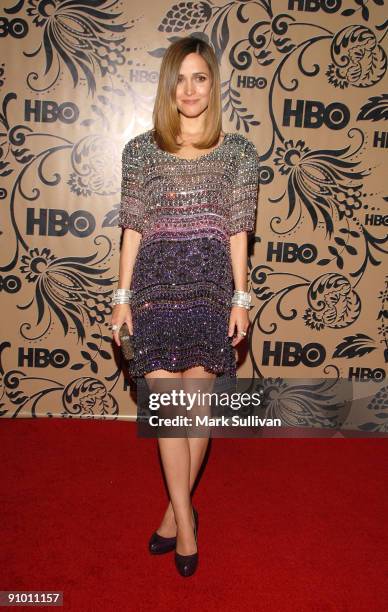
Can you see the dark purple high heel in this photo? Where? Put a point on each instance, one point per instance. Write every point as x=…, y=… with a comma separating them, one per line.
x=158, y=545
x=187, y=564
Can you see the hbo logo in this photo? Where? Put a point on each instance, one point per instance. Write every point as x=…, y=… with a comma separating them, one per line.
x=291, y=354
x=42, y=358
x=314, y=114
x=47, y=111
x=58, y=222
x=289, y=252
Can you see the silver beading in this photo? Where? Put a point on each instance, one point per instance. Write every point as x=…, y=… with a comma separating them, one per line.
x=122, y=296
x=242, y=298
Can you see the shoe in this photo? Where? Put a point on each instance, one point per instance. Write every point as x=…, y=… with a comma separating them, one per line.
x=187, y=564
x=158, y=544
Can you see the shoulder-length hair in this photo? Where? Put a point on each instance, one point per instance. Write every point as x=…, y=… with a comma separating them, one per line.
x=165, y=114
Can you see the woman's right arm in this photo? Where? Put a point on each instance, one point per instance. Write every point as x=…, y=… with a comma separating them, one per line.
x=131, y=219
x=129, y=248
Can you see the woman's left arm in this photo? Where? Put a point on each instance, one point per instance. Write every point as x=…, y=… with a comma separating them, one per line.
x=239, y=254
x=243, y=206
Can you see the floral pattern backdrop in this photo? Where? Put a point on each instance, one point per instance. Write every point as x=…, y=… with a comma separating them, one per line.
x=304, y=80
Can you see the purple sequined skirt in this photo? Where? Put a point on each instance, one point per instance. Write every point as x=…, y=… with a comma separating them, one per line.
x=182, y=291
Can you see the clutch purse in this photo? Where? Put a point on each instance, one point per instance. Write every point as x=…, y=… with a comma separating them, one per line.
x=126, y=342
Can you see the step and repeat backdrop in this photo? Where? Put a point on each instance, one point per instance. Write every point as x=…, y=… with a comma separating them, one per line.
x=305, y=81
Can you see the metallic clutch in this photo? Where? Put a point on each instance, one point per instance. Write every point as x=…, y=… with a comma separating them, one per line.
x=126, y=342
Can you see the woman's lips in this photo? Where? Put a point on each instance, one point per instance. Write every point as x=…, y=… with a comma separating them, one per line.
x=190, y=101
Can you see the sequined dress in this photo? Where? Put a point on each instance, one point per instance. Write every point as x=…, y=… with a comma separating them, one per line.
x=182, y=281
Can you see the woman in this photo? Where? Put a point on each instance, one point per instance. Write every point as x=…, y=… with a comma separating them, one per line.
x=189, y=195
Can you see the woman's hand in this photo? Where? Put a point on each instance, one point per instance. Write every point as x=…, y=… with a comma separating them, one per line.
x=121, y=314
x=238, y=318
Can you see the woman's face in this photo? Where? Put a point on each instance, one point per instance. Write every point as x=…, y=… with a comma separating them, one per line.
x=194, y=85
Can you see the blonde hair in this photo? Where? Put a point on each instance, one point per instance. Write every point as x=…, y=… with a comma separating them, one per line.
x=165, y=114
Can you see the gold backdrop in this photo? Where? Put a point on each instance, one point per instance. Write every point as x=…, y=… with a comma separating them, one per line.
x=304, y=80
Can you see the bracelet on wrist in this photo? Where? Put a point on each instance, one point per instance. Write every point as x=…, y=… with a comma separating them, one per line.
x=122, y=296
x=241, y=298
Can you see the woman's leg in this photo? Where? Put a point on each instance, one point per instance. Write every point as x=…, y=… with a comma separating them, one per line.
x=195, y=379
x=197, y=446
x=175, y=454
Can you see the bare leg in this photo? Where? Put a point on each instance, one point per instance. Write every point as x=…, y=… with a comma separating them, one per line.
x=198, y=445
x=176, y=457
x=175, y=454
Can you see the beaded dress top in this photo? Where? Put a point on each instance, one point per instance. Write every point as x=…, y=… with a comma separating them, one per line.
x=182, y=280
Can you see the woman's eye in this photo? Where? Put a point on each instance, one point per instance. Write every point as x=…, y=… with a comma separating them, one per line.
x=200, y=78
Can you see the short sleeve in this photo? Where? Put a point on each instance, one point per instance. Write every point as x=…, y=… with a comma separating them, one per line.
x=244, y=192
x=131, y=213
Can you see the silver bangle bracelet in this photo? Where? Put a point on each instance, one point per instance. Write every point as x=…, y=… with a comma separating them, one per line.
x=121, y=291
x=247, y=306
x=242, y=298
x=122, y=296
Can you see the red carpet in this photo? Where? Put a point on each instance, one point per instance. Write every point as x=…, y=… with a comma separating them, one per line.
x=284, y=524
